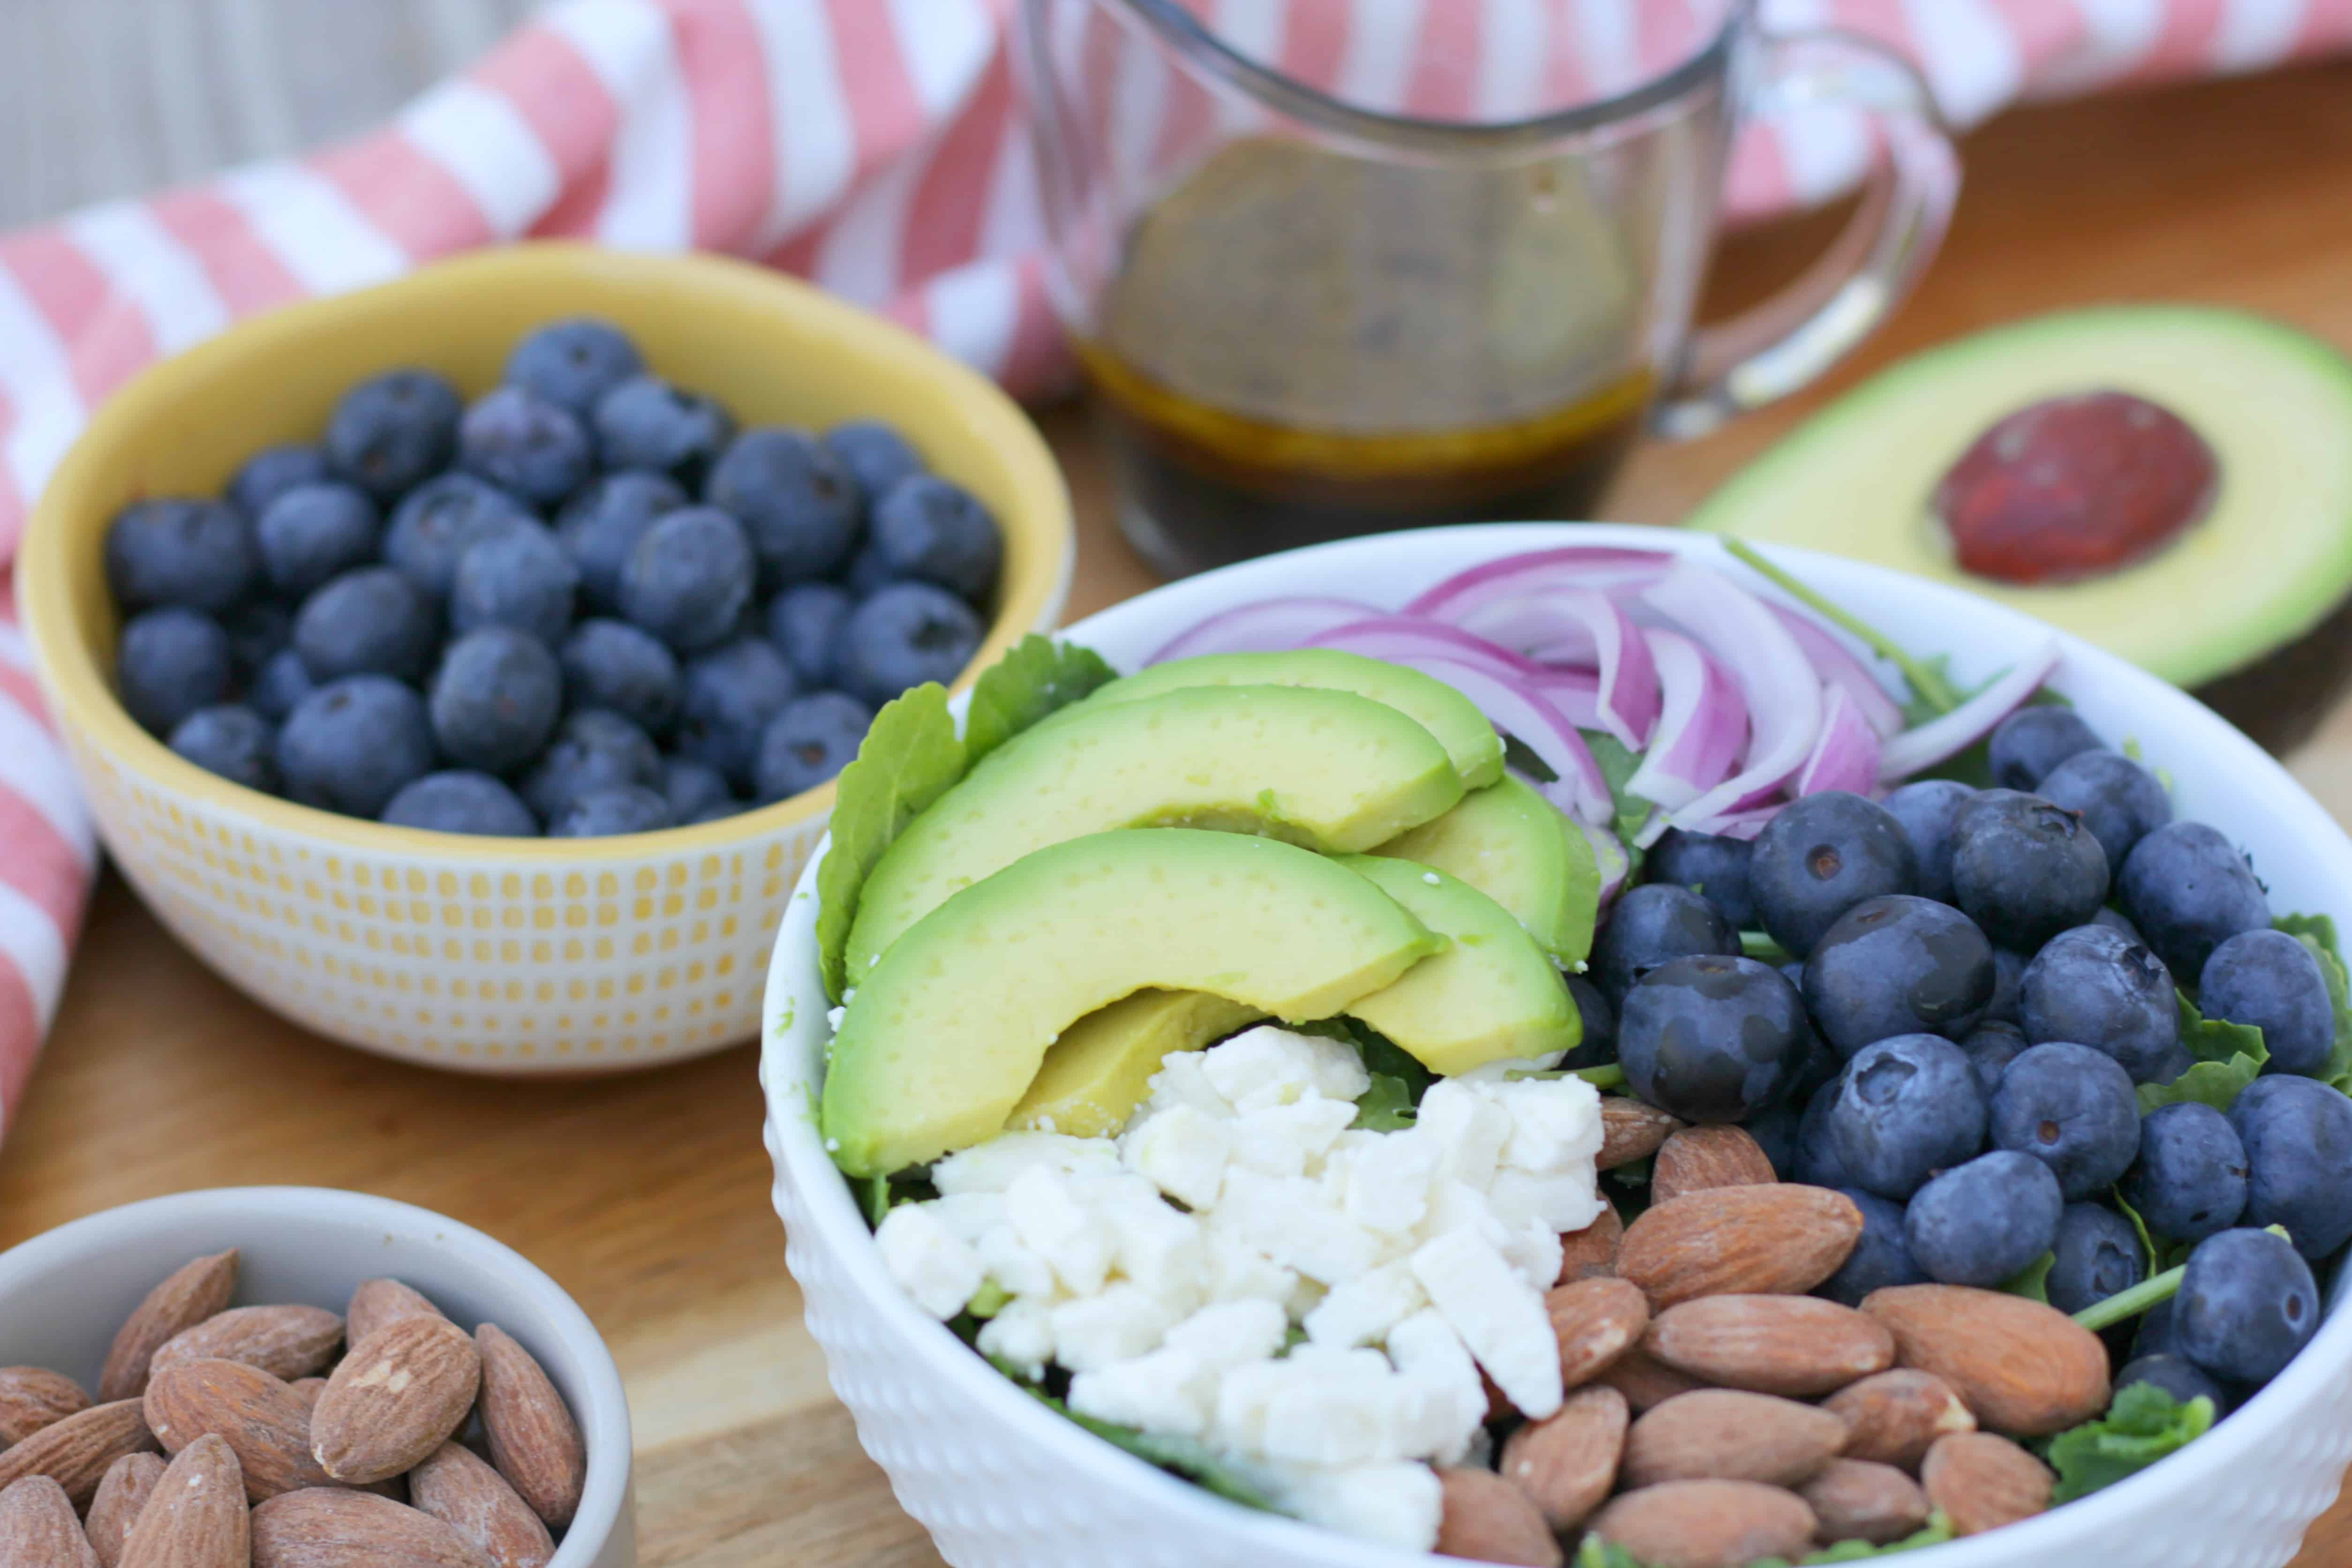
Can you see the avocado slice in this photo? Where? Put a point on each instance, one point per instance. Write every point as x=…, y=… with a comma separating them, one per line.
x=2244, y=549
x=940, y=1041
x=1095, y=1076
x=1469, y=740
x=1490, y=996
x=1517, y=847
x=1328, y=770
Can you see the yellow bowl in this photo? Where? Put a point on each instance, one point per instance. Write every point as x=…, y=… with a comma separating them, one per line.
x=518, y=955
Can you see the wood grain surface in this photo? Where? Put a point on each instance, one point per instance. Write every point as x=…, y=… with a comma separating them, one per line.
x=648, y=1196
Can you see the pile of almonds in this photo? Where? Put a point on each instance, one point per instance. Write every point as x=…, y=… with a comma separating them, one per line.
x=281, y=1455
x=1718, y=1415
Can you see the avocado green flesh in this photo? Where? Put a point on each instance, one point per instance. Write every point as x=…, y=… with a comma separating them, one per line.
x=940, y=1040
x=1095, y=1076
x=1515, y=847
x=1492, y=995
x=1469, y=740
x=1329, y=770
x=2270, y=557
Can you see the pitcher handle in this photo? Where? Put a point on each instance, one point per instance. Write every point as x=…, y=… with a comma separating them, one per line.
x=1769, y=351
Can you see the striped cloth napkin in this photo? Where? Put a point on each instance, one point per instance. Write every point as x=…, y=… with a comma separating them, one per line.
x=873, y=145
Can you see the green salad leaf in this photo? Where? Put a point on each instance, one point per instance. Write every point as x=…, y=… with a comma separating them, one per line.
x=2318, y=932
x=1518, y=758
x=1386, y=1107
x=909, y=758
x=1038, y=677
x=2033, y=1281
x=1617, y=765
x=2228, y=1056
x=1186, y=1458
x=2149, y=1253
x=1399, y=1081
x=2143, y=1426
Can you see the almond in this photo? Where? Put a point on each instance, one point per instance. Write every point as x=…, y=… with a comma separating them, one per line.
x=196, y=1518
x=39, y=1530
x=308, y=1388
x=1697, y=1158
x=194, y=1293
x=1858, y=1499
x=1596, y=1321
x=77, y=1451
x=123, y=1491
x=265, y=1423
x=1568, y=1463
x=32, y=1397
x=332, y=1527
x=1707, y=1524
x=1630, y=1131
x=1645, y=1380
x=379, y=1302
x=2020, y=1366
x=1591, y=1253
x=397, y=1396
x=1722, y=1434
x=459, y=1487
x=1796, y=1345
x=1489, y=1520
x=1750, y=1240
x=534, y=1441
x=1982, y=1482
x=1896, y=1416
x=284, y=1341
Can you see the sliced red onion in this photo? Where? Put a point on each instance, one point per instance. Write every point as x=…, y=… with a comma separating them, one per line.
x=1846, y=753
x=1839, y=668
x=1972, y=720
x=1600, y=634
x=1735, y=823
x=1267, y=626
x=1520, y=710
x=1611, y=858
x=1512, y=600
x=1701, y=727
x=1396, y=637
x=1575, y=692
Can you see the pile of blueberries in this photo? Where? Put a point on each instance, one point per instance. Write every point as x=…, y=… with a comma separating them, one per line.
x=1981, y=980
x=585, y=604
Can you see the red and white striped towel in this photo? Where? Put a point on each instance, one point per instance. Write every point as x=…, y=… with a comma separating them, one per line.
x=872, y=145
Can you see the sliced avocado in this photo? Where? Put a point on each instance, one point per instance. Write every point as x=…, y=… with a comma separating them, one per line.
x=1490, y=996
x=1095, y=1076
x=1518, y=849
x=1327, y=770
x=1469, y=740
x=2172, y=482
x=940, y=1041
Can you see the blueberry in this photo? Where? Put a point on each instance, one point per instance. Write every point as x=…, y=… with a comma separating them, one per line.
x=2189, y=1180
x=1818, y=1064
x=2030, y=742
x=1775, y=1131
x=1881, y=1257
x=525, y=445
x=877, y=455
x=196, y=554
x=282, y=681
x=929, y=530
x=370, y=621
x=1821, y=856
x=2270, y=980
x=718, y=810
x=495, y=699
x=574, y=361
x=235, y=743
x=601, y=525
x=604, y=812
x=1712, y=866
x=1906, y=1108
x=2007, y=1006
x=690, y=578
x=2189, y=891
x=442, y=518
x=646, y=423
x=172, y=662
x=518, y=578
x=2025, y=870
x=1925, y=810
x=310, y=532
x=906, y=634
x=2176, y=1376
x=730, y=695
x=2098, y=988
x=461, y=802
x=259, y=630
x=2160, y=1330
x=1983, y=1221
x=1896, y=965
x=2120, y=801
x=2298, y=1138
x=869, y=572
x=1651, y=925
x=2072, y=1109
x=798, y=506
x=611, y=664
x=272, y=471
x=354, y=744
x=690, y=787
x=2115, y=920
x=806, y=621
x=2248, y=1303
x=1711, y=1039
x=1597, y=1046
x=2099, y=1256
x=1817, y=1163
x=592, y=750
x=1991, y=1047
x=809, y=741
x=391, y=434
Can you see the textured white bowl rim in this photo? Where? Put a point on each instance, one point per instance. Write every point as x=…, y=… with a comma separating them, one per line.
x=604, y=1412
x=2170, y=720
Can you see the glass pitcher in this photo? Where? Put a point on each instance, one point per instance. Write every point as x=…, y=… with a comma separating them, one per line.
x=1333, y=267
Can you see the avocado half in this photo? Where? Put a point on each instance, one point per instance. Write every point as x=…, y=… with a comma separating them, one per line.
x=2242, y=597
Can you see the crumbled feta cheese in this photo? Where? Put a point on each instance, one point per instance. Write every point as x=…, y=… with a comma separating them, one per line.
x=1183, y=1079
x=1555, y=1124
x=1119, y=1325
x=1430, y=1355
x=996, y=1165
x=1239, y=1272
x=1281, y=1217
x=1050, y=1221
x=1232, y=1332
x=1396, y=1504
x=927, y=1260
x=1015, y=1268
x=1388, y=1177
x=1288, y=1139
x=1270, y=1066
x=1561, y=1203
x=1362, y=1310
x=1500, y=1317
x=1022, y=1336
x=1470, y=1130
x=1182, y=1151
x=1166, y=1391
x=970, y=1214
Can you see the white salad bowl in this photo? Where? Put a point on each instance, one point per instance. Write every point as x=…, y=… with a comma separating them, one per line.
x=1001, y=1481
